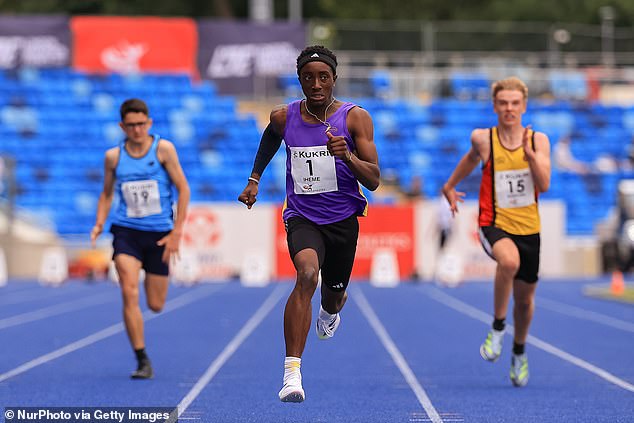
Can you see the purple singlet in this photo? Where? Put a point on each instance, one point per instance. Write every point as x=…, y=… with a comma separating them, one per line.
x=319, y=186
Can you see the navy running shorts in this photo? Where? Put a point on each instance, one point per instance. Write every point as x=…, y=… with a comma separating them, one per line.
x=142, y=245
x=527, y=245
x=335, y=244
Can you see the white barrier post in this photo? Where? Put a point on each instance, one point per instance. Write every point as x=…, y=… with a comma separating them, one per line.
x=450, y=269
x=4, y=273
x=186, y=270
x=255, y=270
x=54, y=266
x=384, y=270
x=114, y=276
x=112, y=273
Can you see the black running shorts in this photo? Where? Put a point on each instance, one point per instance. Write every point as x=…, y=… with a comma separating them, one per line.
x=527, y=245
x=142, y=245
x=335, y=244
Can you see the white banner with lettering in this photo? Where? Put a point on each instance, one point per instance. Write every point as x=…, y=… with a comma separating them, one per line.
x=220, y=235
x=463, y=248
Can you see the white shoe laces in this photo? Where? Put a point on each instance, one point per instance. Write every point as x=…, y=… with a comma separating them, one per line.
x=327, y=327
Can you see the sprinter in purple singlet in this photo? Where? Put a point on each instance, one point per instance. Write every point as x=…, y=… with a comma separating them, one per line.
x=330, y=150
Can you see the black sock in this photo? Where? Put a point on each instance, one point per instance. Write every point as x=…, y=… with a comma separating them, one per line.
x=518, y=349
x=140, y=354
x=498, y=324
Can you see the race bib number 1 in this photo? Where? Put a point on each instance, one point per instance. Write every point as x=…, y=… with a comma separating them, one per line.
x=141, y=198
x=514, y=188
x=313, y=170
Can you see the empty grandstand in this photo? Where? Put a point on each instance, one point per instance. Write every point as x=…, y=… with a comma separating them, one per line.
x=58, y=116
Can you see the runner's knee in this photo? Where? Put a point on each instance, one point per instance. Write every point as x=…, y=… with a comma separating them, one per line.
x=523, y=304
x=155, y=305
x=130, y=293
x=509, y=265
x=307, y=277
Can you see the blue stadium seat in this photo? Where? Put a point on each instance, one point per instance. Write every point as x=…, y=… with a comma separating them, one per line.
x=76, y=116
x=568, y=85
x=466, y=85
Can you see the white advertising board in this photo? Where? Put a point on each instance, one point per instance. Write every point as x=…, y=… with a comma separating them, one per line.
x=221, y=235
x=464, y=243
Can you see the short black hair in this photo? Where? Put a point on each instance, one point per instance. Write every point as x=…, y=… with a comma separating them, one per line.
x=323, y=55
x=133, y=105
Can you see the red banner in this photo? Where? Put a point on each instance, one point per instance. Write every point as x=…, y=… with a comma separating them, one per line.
x=384, y=227
x=130, y=45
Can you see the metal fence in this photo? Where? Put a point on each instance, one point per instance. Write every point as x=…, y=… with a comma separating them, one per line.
x=420, y=58
x=416, y=43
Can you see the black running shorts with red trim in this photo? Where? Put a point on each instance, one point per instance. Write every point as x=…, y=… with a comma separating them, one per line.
x=527, y=245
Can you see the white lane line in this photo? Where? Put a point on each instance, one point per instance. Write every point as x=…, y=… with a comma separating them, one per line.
x=485, y=318
x=54, y=310
x=22, y=285
x=31, y=295
x=231, y=347
x=581, y=313
x=16, y=287
x=172, y=305
x=396, y=355
x=584, y=314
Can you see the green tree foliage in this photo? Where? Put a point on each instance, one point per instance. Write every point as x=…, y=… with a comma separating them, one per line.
x=193, y=8
x=581, y=11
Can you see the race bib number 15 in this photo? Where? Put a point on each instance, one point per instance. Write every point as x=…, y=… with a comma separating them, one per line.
x=514, y=188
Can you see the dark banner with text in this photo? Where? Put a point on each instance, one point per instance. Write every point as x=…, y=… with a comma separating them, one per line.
x=234, y=54
x=34, y=41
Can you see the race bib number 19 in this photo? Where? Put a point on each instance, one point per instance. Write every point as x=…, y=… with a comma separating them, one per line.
x=141, y=198
x=313, y=170
x=514, y=188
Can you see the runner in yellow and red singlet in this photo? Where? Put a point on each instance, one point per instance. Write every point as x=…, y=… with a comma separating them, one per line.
x=516, y=168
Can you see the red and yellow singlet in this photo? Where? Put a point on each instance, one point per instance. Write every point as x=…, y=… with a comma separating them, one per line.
x=508, y=199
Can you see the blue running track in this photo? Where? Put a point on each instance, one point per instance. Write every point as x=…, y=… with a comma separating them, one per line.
x=405, y=354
